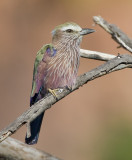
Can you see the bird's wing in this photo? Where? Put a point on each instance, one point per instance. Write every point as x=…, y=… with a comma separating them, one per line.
x=39, y=66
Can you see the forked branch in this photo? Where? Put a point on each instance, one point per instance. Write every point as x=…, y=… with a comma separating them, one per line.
x=119, y=36
x=114, y=63
x=118, y=63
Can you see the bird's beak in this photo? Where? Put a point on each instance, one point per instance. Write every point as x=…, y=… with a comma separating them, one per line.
x=86, y=31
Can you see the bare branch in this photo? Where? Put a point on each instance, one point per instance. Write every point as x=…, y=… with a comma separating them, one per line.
x=12, y=149
x=96, y=55
x=118, y=63
x=115, y=32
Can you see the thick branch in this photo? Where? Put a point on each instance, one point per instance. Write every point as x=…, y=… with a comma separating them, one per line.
x=12, y=149
x=115, y=64
x=119, y=36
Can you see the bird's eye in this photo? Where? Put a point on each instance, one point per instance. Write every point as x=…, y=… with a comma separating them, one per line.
x=69, y=30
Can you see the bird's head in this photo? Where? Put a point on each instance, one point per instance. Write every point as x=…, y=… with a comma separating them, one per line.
x=69, y=31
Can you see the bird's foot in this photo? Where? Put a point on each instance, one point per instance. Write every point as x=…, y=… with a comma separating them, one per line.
x=69, y=88
x=53, y=91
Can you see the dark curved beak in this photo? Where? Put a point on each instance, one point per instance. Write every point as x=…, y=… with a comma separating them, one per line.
x=86, y=31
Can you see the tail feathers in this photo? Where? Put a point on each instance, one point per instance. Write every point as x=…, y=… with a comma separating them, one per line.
x=35, y=126
x=34, y=99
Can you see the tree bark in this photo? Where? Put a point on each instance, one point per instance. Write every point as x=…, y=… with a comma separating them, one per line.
x=11, y=149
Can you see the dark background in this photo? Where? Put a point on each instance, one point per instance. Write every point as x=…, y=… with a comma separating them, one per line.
x=95, y=121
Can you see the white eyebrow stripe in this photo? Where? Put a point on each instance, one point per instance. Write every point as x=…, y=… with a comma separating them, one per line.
x=70, y=26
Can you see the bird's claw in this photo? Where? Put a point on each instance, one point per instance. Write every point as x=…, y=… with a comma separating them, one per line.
x=69, y=88
x=53, y=92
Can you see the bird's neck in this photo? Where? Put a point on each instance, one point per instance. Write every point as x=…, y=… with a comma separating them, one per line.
x=66, y=46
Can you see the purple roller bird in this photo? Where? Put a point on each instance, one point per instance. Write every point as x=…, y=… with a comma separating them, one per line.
x=56, y=66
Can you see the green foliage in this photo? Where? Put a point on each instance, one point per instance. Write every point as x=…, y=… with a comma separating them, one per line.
x=118, y=145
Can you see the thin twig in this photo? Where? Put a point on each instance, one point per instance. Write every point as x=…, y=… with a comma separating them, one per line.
x=119, y=36
x=12, y=149
x=118, y=63
x=96, y=55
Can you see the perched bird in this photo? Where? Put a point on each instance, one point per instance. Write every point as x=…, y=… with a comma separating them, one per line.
x=56, y=66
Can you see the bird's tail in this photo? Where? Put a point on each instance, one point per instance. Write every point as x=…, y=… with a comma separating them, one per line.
x=35, y=126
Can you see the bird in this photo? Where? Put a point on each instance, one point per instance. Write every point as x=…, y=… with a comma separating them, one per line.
x=56, y=66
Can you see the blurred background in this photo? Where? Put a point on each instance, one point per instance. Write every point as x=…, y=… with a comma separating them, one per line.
x=95, y=121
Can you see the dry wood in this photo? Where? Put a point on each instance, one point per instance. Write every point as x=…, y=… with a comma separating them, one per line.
x=96, y=55
x=12, y=149
x=9, y=146
x=118, y=63
x=119, y=36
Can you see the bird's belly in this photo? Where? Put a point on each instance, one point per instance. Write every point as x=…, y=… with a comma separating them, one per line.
x=60, y=78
